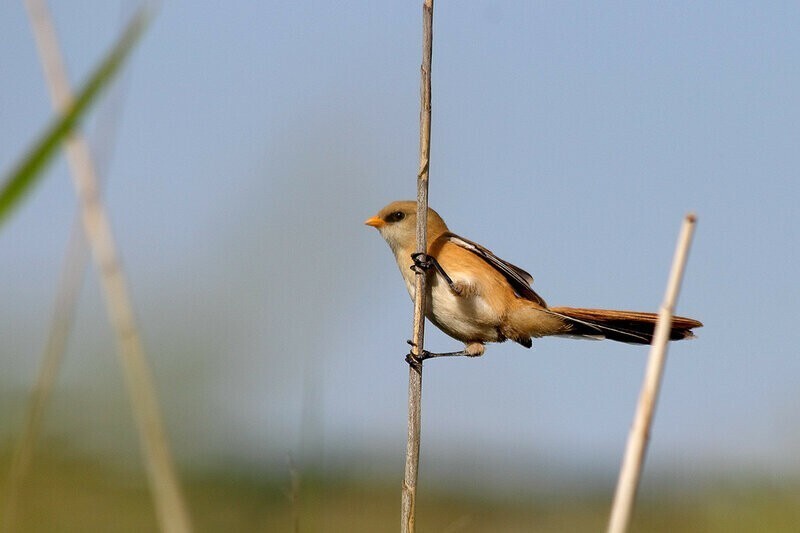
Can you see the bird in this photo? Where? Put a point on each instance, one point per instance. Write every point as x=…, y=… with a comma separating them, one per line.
x=477, y=298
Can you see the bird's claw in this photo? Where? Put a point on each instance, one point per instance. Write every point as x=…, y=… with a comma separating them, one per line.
x=422, y=262
x=415, y=360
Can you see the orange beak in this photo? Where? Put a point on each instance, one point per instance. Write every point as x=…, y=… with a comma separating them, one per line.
x=375, y=222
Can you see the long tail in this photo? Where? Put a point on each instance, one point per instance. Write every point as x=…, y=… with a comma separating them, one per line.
x=623, y=326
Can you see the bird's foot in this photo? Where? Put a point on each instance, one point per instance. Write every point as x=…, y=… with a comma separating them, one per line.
x=422, y=262
x=415, y=360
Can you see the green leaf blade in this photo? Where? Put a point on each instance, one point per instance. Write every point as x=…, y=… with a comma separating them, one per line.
x=30, y=169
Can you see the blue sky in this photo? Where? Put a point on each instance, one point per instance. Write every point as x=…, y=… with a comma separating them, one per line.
x=570, y=138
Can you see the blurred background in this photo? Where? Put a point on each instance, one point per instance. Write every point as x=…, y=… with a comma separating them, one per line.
x=245, y=145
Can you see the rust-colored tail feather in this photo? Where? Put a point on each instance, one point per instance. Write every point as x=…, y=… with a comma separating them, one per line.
x=623, y=326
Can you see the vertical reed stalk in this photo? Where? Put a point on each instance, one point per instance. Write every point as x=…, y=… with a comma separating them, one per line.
x=630, y=473
x=408, y=509
x=170, y=507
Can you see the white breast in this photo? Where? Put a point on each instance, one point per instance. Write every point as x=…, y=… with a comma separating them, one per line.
x=468, y=319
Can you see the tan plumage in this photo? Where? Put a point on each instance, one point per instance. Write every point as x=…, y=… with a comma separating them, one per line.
x=490, y=300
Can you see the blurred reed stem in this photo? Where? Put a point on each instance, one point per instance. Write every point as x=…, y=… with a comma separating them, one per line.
x=632, y=463
x=76, y=258
x=169, y=503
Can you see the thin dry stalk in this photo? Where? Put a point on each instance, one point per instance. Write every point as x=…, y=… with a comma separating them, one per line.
x=68, y=289
x=408, y=508
x=170, y=507
x=70, y=283
x=630, y=472
x=294, y=495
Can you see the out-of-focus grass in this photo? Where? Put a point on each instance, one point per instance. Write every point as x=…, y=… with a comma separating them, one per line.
x=31, y=167
x=68, y=494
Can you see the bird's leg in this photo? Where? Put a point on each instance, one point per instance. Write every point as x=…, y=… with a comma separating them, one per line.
x=475, y=349
x=430, y=355
x=423, y=262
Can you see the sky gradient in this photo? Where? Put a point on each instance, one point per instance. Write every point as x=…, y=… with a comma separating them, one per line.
x=569, y=138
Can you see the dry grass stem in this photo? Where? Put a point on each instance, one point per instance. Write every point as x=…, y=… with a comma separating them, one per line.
x=70, y=283
x=633, y=461
x=170, y=507
x=68, y=290
x=408, y=508
x=294, y=494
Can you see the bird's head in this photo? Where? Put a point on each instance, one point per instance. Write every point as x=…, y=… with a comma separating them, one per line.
x=397, y=223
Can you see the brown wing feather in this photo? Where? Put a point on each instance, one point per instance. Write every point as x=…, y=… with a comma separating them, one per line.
x=519, y=279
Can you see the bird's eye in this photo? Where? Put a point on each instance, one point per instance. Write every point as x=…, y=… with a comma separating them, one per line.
x=397, y=216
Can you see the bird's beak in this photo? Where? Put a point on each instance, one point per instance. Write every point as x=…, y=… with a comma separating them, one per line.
x=375, y=222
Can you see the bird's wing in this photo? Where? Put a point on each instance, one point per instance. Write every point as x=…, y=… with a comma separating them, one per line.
x=519, y=279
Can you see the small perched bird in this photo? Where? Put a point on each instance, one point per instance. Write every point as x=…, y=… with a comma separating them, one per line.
x=476, y=297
